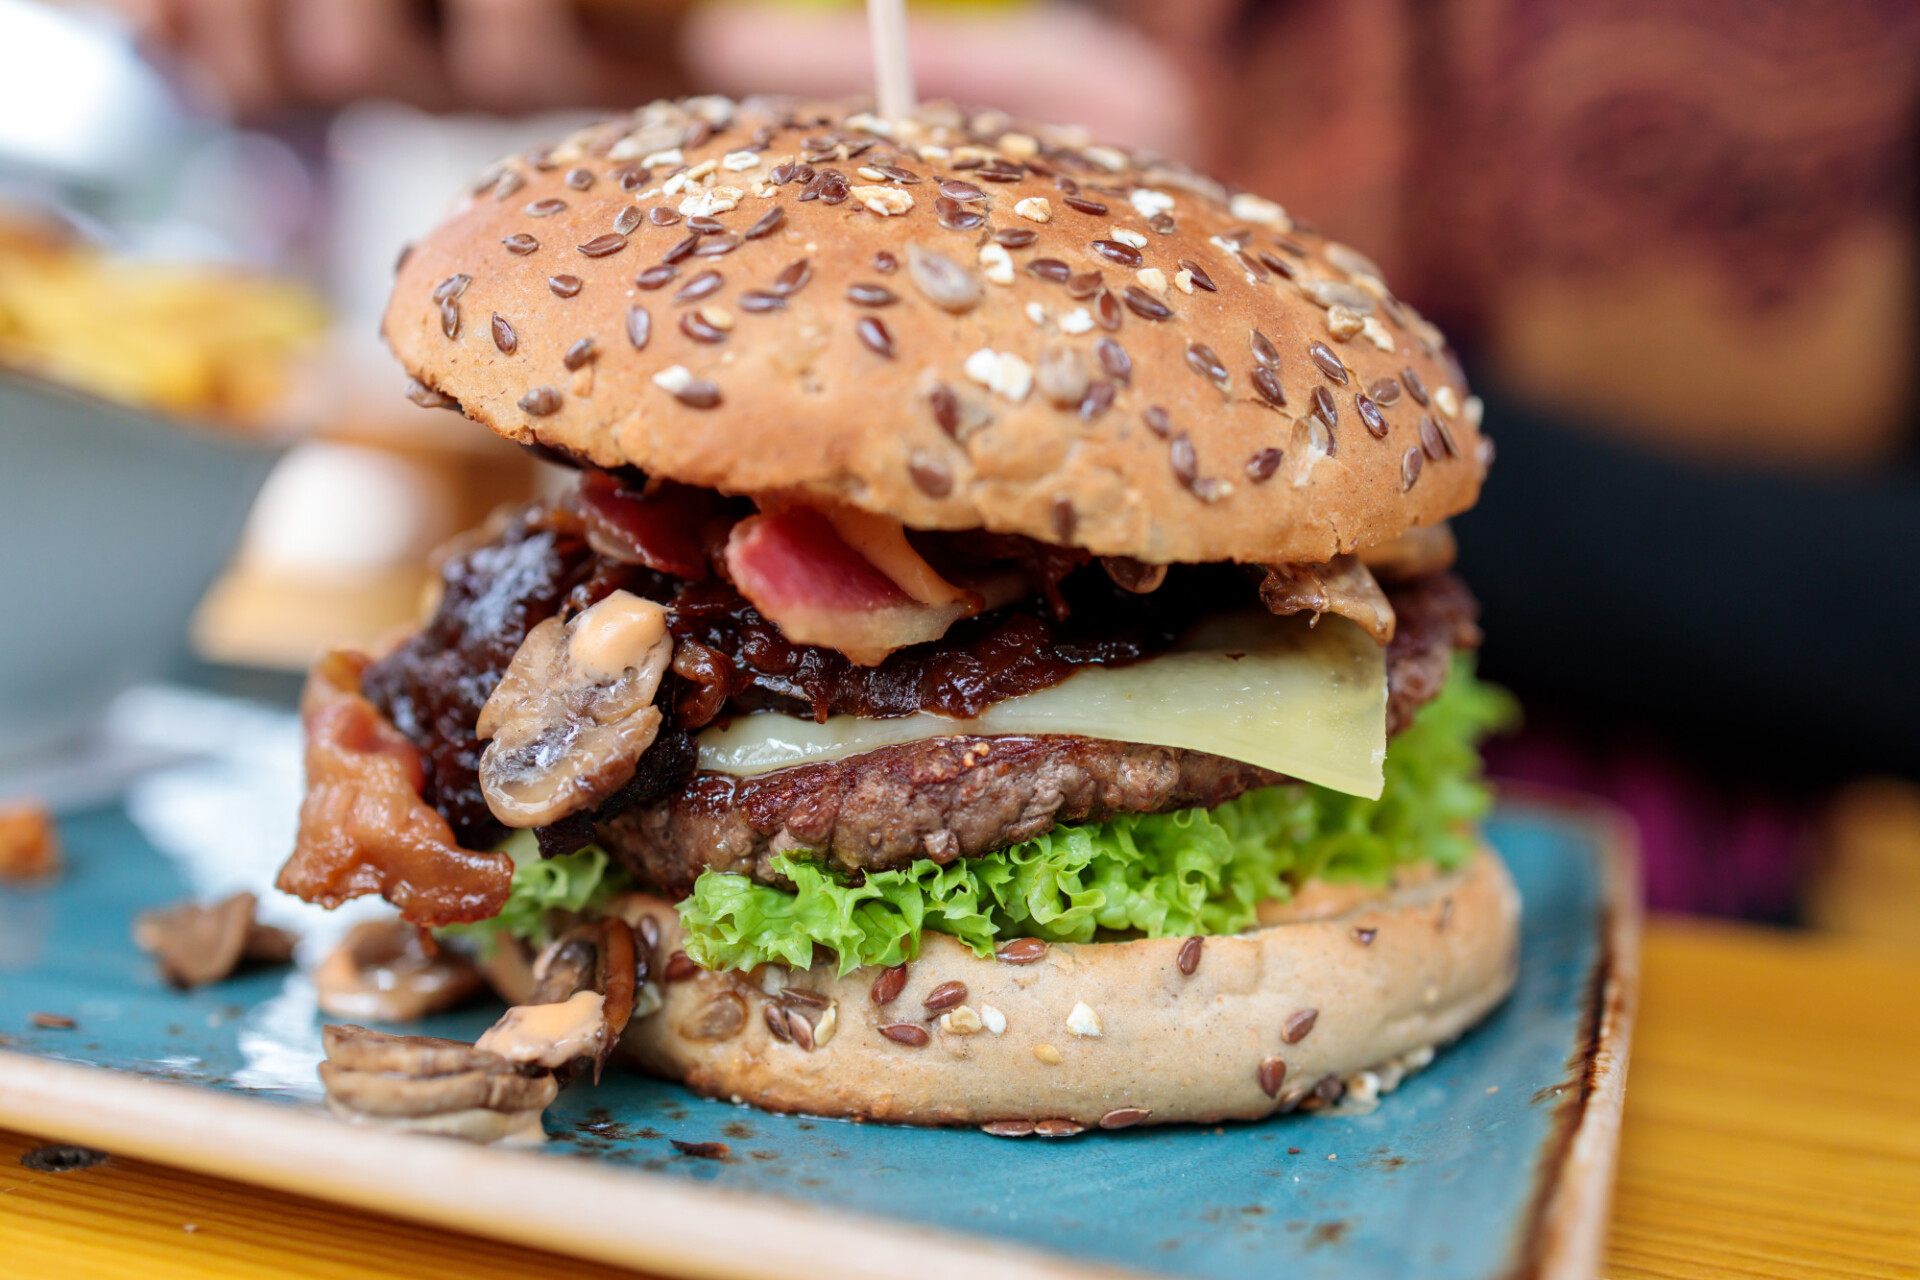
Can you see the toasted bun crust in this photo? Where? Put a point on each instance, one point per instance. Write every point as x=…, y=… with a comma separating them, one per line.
x=1177, y=1047
x=1164, y=453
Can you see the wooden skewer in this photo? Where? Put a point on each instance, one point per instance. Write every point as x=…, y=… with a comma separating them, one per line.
x=892, y=61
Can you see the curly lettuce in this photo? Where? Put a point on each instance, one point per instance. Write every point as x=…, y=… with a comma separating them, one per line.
x=573, y=883
x=1195, y=871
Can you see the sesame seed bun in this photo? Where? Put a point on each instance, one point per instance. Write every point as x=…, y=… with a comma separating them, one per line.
x=1344, y=981
x=951, y=322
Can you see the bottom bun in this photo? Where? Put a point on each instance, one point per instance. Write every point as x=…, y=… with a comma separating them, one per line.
x=1341, y=983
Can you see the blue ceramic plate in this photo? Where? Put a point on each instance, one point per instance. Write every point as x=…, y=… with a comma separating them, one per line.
x=1492, y=1162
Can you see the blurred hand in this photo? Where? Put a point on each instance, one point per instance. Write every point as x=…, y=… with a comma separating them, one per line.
x=496, y=55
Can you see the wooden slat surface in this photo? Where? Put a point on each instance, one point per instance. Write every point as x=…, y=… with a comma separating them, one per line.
x=1772, y=1129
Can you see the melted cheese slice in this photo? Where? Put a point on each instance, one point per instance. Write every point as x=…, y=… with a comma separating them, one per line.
x=1306, y=701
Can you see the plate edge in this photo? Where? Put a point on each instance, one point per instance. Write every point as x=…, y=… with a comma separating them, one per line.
x=1571, y=1214
x=579, y=1210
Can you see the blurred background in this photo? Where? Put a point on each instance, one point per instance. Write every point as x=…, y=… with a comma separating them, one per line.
x=1675, y=246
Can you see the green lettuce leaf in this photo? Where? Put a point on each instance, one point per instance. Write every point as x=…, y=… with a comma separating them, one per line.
x=573, y=883
x=1195, y=871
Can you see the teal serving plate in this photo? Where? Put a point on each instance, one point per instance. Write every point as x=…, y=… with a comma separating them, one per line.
x=1493, y=1162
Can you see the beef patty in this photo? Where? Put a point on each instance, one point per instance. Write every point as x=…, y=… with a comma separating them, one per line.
x=962, y=797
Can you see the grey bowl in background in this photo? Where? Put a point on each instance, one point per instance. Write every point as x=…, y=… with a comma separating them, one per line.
x=113, y=523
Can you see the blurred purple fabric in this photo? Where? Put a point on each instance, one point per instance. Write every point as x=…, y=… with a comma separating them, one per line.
x=1708, y=846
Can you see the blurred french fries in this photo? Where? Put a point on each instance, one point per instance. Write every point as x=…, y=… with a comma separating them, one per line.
x=197, y=341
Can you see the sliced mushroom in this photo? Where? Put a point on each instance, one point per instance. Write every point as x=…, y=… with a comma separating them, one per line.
x=1134, y=575
x=353, y=1048
x=382, y=970
x=195, y=945
x=384, y=1093
x=583, y=998
x=574, y=711
x=1342, y=585
x=430, y=1085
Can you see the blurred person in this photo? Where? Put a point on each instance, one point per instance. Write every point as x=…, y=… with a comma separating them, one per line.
x=260, y=56
x=1677, y=245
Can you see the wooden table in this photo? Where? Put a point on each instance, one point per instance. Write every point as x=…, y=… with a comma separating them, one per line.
x=1772, y=1129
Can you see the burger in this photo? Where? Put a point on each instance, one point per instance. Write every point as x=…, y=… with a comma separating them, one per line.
x=994, y=659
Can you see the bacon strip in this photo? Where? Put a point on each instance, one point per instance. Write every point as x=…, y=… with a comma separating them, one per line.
x=662, y=528
x=363, y=826
x=794, y=567
x=1342, y=585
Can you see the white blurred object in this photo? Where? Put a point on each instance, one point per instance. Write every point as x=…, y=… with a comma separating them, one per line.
x=77, y=103
x=396, y=172
x=339, y=510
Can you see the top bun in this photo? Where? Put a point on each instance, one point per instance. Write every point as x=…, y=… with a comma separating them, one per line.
x=950, y=321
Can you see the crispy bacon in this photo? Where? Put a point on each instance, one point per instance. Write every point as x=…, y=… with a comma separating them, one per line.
x=664, y=527
x=363, y=826
x=796, y=569
x=1342, y=585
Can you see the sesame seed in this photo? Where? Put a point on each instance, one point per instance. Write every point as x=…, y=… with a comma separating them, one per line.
x=906, y=1033
x=450, y=318
x=767, y=223
x=544, y=208
x=759, y=301
x=1106, y=310
x=873, y=332
x=1085, y=205
x=1157, y=421
x=1145, y=305
x=628, y=220
x=661, y=216
x=959, y=189
x=681, y=250
x=954, y=216
x=945, y=407
x=714, y=246
x=1202, y=360
x=1007, y=1128
x=1298, y=1024
x=1262, y=465
x=603, y=246
x=792, y=278
x=1327, y=362
x=1050, y=269
x=541, y=401
x=656, y=276
x=863, y=294
x=885, y=263
x=1114, y=359
x=1098, y=400
x=699, y=325
x=1124, y=1117
x=1324, y=407
x=1385, y=392
x=503, y=335
x=639, y=326
x=1200, y=277
x=1058, y=1128
x=946, y=283
x=1267, y=383
x=888, y=986
x=520, y=244
x=704, y=285
x=1271, y=1075
x=1182, y=457
x=1113, y=251
x=1047, y=1054
x=1370, y=417
x=1020, y=950
x=1415, y=387
x=1014, y=237
x=452, y=287
x=1188, y=958
x=945, y=996
x=936, y=481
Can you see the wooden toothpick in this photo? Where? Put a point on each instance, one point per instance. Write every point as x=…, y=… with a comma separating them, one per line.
x=892, y=61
